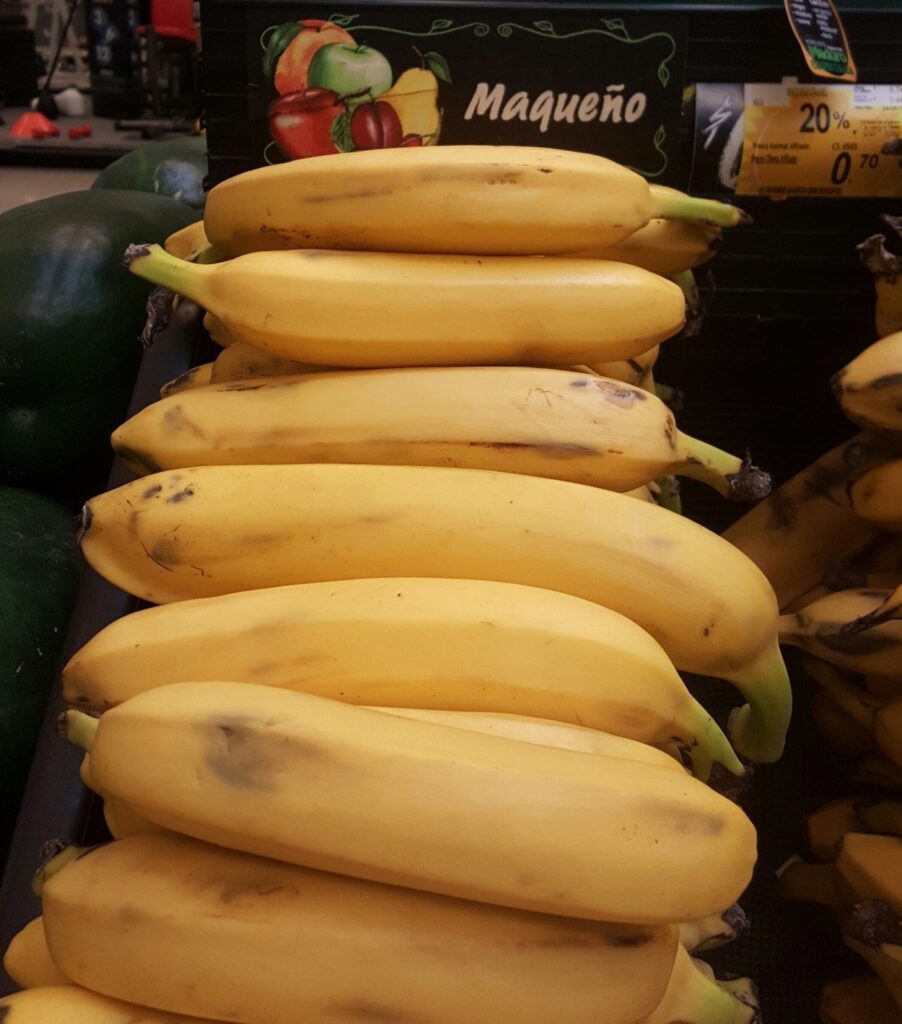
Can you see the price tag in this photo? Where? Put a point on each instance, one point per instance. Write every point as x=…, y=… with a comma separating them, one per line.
x=819, y=30
x=821, y=140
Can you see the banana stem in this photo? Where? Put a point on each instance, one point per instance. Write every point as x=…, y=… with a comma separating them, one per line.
x=674, y=205
x=57, y=856
x=79, y=728
x=758, y=730
x=734, y=478
x=693, y=998
x=707, y=744
x=161, y=268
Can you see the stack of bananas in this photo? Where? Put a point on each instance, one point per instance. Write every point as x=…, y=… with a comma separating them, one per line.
x=830, y=541
x=397, y=742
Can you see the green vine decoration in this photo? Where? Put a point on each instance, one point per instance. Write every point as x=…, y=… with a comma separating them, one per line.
x=614, y=29
x=439, y=27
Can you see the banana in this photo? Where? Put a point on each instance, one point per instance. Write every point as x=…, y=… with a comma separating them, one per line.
x=885, y=269
x=631, y=371
x=826, y=826
x=518, y=824
x=513, y=200
x=843, y=734
x=805, y=525
x=552, y=423
x=888, y=731
x=852, y=700
x=346, y=308
x=196, y=377
x=874, y=931
x=715, y=930
x=882, y=816
x=121, y=818
x=822, y=628
x=869, y=389
x=881, y=686
x=855, y=1000
x=187, y=243
x=493, y=647
x=870, y=867
x=544, y=732
x=878, y=770
x=218, y=331
x=27, y=959
x=259, y=942
x=249, y=527
x=693, y=998
x=877, y=496
x=74, y=1005
x=848, y=578
x=810, y=883
x=664, y=247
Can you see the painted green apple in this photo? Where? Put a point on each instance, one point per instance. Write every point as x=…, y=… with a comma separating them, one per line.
x=347, y=69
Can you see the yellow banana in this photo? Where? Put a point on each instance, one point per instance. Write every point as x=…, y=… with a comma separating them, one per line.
x=822, y=629
x=692, y=997
x=73, y=1005
x=878, y=770
x=663, y=246
x=259, y=942
x=885, y=269
x=542, y=422
x=240, y=361
x=870, y=868
x=188, y=242
x=715, y=930
x=869, y=388
x=493, y=647
x=805, y=525
x=858, y=1000
x=120, y=817
x=888, y=730
x=877, y=496
x=27, y=959
x=826, y=826
x=843, y=734
x=518, y=824
x=542, y=731
x=218, y=331
x=631, y=371
x=515, y=200
x=217, y=529
x=874, y=931
x=854, y=701
x=196, y=377
x=848, y=578
x=810, y=883
x=395, y=309
x=882, y=816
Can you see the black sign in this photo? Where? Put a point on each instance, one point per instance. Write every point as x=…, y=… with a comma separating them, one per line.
x=324, y=80
x=719, y=134
x=822, y=37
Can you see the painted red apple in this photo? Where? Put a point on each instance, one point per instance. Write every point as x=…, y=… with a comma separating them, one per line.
x=301, y=122
x=294, y=63
x=375, y=126
x=411, y=140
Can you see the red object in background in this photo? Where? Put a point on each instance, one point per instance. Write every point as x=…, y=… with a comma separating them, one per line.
x=173, y=19
x=301, y=122
x=33, y=125
x=81, y=132
x=375, y=126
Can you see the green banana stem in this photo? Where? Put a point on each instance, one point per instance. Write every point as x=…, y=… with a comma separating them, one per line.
x=758, y=730
x=154, y=264
x=734, y=478
x=79, y=728
x=706, y=743
x=678, y=206
x=693, y=998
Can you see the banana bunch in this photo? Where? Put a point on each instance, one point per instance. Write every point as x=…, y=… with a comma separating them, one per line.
x=403, y=736
x=885, y=269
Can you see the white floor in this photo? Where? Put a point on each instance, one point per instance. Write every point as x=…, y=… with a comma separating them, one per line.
x=25, y=184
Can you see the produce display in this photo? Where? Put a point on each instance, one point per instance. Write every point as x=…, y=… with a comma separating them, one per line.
x=839, y=582
x=404, y=737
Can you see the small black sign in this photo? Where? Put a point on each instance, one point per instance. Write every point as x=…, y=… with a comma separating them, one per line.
x=326, y=80
x=821, y=35
x=717, y=149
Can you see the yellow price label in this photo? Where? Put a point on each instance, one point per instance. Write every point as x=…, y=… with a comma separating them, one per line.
x=821, y=140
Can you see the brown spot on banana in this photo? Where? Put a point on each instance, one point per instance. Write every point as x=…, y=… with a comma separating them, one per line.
x=183, y=495
x=152, y=492
x=174, y=419
x=238, y=757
